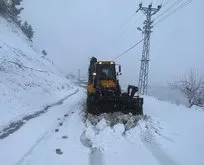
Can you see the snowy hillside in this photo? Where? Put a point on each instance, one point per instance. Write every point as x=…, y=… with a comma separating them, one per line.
x=28, y=81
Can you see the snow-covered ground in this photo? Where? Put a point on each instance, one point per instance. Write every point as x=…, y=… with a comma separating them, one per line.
x=167, y=135
x=29, y=82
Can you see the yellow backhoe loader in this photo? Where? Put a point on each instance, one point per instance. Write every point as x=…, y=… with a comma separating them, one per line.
x=104, y=92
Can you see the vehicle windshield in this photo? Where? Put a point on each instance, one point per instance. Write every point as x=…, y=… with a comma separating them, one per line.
x=107, y=72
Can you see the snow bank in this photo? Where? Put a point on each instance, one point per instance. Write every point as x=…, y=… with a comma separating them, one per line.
x=181, y=130
x=28, y=80
x=167, y=134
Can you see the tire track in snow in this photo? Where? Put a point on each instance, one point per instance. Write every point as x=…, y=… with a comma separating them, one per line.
x=43, y=138
x=95, y=156
x=14, y=126
x=148, y=138
x=29, y=152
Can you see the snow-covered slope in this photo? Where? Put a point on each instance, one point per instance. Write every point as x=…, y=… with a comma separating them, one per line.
x=28, y=81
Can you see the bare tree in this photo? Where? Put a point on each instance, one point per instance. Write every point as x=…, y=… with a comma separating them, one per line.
x=192, y=87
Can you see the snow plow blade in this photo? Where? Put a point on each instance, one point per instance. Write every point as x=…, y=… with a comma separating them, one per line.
x=110, y=104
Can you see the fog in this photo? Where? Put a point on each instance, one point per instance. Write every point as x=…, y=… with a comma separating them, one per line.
x=73, y=31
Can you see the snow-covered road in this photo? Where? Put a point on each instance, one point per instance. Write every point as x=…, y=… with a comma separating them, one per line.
x=19, y=146
x=15, y=125
x=64, y=136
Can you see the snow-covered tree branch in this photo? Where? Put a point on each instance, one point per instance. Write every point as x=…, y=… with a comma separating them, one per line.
x=192, y=87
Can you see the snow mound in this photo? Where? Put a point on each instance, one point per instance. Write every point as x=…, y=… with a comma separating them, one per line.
x=128, y=120
x=29, y=81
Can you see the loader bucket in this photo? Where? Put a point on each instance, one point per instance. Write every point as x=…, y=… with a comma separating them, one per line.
x=124, y=104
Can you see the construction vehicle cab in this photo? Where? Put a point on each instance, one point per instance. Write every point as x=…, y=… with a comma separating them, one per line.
x=104, y=92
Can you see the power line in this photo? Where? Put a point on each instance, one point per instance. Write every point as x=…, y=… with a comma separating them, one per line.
x=168, y=14
x=138, y=19
x=128, y=20
x=128, y=49
x=167, y=2
x=123, y=32
x=169, y=8
x=162, y=2
x=173, y=11
x=179, y=7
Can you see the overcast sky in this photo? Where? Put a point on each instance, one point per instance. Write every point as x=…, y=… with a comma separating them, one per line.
x=72, y=31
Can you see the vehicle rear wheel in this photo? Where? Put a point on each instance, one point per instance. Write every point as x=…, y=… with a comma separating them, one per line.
x=92, y=106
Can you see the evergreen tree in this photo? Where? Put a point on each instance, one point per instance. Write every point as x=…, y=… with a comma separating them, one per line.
x=30, y=32
x=27, y=30
x=14, y=8
x=3, y=6
x=24, y=26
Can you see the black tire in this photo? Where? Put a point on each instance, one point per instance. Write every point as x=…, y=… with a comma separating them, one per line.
x=140, y=110
x=137, y=108
x=92, y=107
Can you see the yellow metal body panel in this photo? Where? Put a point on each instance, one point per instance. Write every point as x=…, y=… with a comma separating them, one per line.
x=91, y=89
x=107, y=83
x=104, y=84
